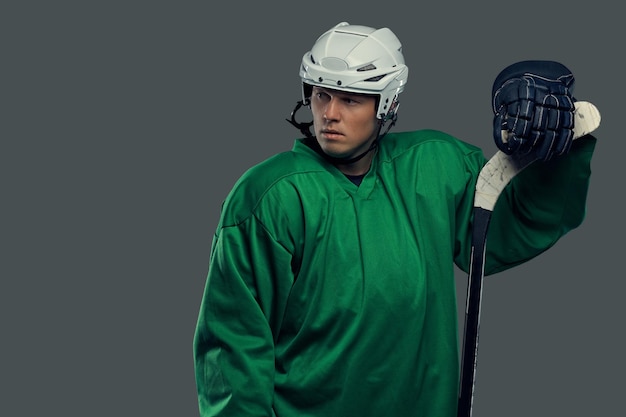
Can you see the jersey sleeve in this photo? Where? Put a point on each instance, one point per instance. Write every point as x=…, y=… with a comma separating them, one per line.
x=540, y=205
x=234, y=342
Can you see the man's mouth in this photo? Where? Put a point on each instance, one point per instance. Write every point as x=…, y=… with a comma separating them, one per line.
x=331, y=132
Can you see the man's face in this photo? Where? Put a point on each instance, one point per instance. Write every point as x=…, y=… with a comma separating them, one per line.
x=345, y=123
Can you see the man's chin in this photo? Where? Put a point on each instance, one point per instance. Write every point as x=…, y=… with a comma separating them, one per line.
x=338, y=154
x=336, y=150
x=335, y=153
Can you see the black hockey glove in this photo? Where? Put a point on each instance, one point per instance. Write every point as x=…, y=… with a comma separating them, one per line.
x=534, y=109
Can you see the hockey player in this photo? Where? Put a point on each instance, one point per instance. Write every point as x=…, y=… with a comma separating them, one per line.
x=330, y=289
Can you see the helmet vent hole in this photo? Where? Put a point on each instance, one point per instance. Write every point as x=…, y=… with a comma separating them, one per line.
x=368, y=67
x=377, y=78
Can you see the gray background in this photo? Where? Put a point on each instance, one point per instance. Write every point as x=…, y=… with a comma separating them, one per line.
x=124, y=125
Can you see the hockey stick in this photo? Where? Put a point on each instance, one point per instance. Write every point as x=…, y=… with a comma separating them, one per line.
x=492, y=180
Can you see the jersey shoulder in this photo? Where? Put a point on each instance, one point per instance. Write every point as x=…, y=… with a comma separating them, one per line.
x=268, y=179
x=394, y=145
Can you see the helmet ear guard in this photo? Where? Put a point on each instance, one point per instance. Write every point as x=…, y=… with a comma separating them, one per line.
x=392, y=111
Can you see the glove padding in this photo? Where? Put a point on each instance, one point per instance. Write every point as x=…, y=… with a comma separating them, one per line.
x=533, y=105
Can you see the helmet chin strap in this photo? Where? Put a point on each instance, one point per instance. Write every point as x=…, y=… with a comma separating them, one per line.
x=305, y=128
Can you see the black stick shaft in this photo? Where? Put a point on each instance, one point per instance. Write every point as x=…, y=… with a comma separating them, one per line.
x=472, y=312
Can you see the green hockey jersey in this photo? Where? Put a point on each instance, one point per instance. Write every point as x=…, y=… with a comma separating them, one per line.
x=327, y=299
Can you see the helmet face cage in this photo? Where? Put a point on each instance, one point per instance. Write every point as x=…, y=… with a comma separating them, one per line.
x=357, y=59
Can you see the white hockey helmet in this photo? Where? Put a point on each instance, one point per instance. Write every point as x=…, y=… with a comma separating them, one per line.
x=357, y=59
